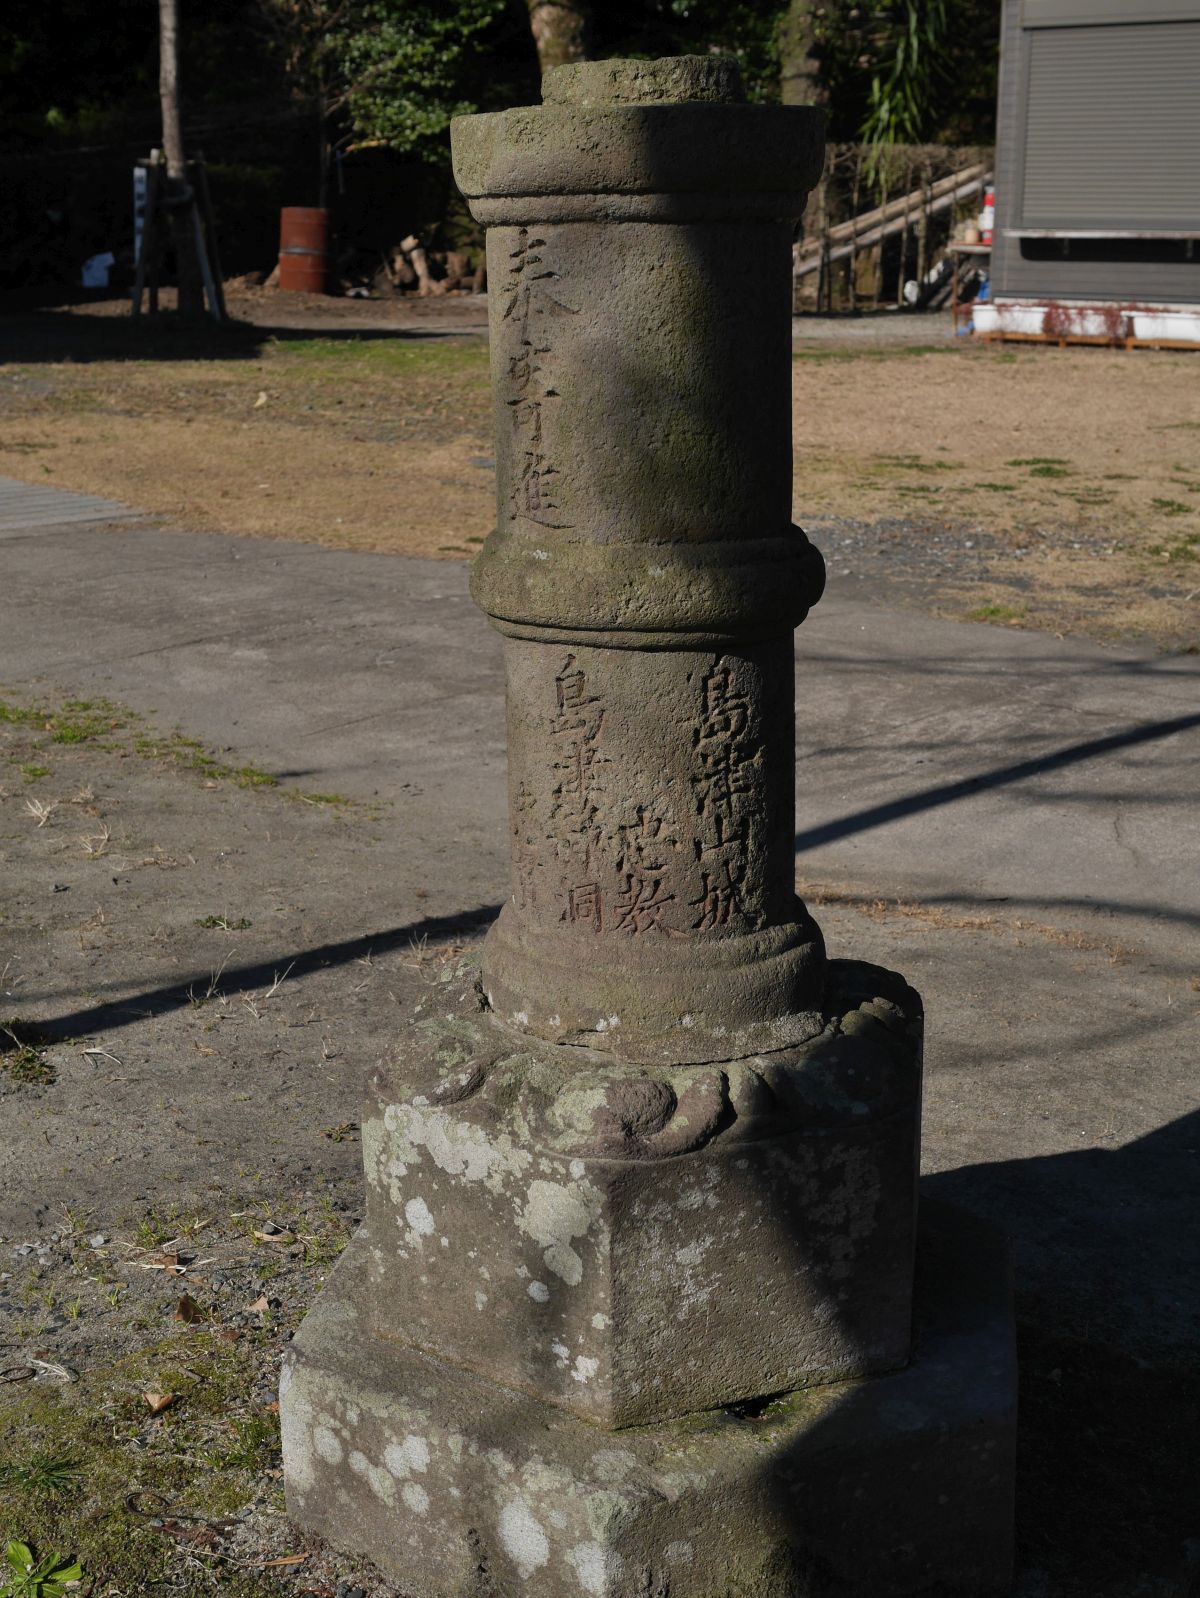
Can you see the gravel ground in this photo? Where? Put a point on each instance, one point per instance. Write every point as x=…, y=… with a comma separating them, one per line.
x=198, y=967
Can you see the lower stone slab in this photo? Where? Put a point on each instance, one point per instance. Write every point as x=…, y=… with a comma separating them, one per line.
x=458, y=1488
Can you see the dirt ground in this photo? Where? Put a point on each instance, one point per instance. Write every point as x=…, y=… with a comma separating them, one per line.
x=1050, y=488
x=198, y=963
x=197, y=966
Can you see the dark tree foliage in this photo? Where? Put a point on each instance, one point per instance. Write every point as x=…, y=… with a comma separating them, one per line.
x=398, y=68
x=75, y=73
x=282, y=116
x=917, y=71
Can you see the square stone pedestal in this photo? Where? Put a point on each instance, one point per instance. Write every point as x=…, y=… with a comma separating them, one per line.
x=460, y=1488
x=638, y=1242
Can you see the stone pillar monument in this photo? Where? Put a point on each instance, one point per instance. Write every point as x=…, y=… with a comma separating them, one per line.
x=640, y=1309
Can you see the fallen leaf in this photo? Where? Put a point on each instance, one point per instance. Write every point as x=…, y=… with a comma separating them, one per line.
x=276, y=1237
x=230, y=1334
x=163, y=1262
x=261, y=1304
x=188, y=1311
x=272, y=1407
x=284, y=1559
x=261, y=400
x=157, y=1402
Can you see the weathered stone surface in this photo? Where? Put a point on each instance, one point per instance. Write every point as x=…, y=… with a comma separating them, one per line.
x=653, y=913
x=644, y=567
x=896, y=1485
x=670, y=140
x=656, y=1155
x=632, y=1242
x=690, y=78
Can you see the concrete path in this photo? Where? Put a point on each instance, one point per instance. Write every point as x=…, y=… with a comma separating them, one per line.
x=1027, y=805
x=954, y=764
x=26, y=506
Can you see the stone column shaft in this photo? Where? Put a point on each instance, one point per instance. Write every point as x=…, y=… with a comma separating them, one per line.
x=644, y=568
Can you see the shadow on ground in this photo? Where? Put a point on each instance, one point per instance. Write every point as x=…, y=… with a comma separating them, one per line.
x=58, y=336
x=999, y=777
x=1110, y=1394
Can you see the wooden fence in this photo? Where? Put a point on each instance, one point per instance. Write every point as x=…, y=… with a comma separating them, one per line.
x=880, y=219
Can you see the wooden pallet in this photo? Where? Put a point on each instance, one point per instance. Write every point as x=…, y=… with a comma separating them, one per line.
x=1099, y=340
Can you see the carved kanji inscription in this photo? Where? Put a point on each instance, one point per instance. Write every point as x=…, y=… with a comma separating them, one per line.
x=532, y=300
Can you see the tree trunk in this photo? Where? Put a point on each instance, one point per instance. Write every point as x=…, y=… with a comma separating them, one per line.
x=799, y=61
x=187, y=267
x=561, y=31
x=324, y=149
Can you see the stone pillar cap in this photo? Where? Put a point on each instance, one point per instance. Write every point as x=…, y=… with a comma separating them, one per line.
x=674, y=80
x=661, y=141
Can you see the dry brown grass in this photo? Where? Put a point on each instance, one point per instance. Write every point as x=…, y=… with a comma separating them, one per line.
x=1082, y=467
x=1018, y=929
x=353, y=445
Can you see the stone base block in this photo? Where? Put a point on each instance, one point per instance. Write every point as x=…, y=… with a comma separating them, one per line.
x=459, y=1488
x=637, y=1242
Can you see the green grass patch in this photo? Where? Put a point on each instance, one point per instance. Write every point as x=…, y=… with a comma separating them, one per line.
x=21, y=715
x=223, y=923
x=1086, y=495
x=76, y=721
x=40, y=1473
x=80, y=720
x=386, y=357
x=188, y=754
x=202, y=1457
x=160, y=1225
x=1172, y=507
x=252, y=777
x=996, y=612
x=25, y=1064
x=998, y=488
x=21, y=1057
x=1183, y=549
x=914, y=463
x=1038, y=460
x=254, y=1445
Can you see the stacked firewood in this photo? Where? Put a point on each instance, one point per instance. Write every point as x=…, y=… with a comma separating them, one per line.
x=408, y=268
x=412, y=269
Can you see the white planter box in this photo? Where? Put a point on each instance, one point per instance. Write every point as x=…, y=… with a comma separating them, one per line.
x=1055, y=319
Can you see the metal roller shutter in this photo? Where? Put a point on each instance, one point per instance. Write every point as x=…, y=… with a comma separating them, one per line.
x=1113, y=135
